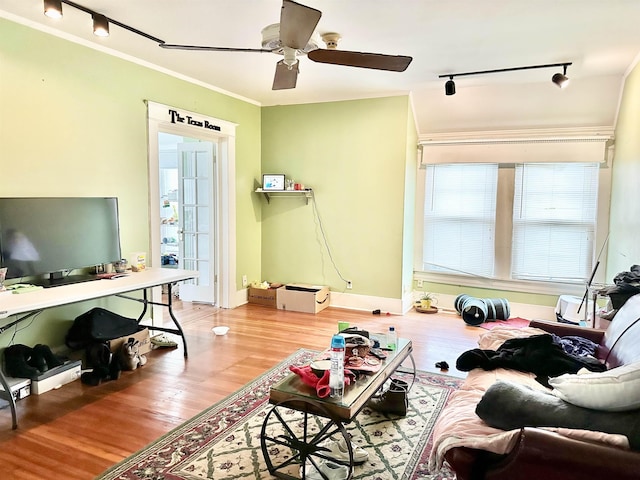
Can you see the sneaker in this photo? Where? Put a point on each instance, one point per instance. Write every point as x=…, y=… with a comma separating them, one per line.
x=338, y=450
x=161, y=340
x=332, y=471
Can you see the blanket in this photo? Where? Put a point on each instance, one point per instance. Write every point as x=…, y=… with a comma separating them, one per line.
x=460, y=426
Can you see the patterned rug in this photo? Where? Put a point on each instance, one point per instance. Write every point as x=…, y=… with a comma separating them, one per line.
x=223, y=441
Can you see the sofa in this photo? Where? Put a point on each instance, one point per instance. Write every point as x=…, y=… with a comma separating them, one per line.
x=526, y=450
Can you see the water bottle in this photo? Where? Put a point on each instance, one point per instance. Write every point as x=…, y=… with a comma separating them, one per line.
x=392, y=338
x=336, y=374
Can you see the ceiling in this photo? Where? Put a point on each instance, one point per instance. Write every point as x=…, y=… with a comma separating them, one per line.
x=601, y=38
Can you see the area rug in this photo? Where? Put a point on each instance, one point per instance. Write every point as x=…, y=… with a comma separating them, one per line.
x=515, y=322
x=223, y=441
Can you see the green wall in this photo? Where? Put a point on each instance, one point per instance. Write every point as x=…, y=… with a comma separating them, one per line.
x=408, y=234
x=73, y=122
x=353, y=154
x=624, y=224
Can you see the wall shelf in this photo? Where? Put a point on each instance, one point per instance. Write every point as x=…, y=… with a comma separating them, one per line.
x=269, y=194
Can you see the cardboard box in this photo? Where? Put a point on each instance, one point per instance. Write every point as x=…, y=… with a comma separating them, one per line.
x=20, y=387
x=57, y=377
x=142, y=336
x=303, y=298
x=264, y=296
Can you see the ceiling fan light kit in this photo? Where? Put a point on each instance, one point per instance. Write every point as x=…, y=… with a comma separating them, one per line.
x=294, y=36
x=560, y=79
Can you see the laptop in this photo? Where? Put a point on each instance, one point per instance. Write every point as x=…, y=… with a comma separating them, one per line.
x=273, y=181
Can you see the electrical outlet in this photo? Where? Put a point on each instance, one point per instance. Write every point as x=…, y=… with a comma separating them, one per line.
x=349, y=285
x=419, y=283
x=244, y=281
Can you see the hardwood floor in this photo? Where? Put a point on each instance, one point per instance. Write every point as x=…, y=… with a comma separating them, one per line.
x=78, y=431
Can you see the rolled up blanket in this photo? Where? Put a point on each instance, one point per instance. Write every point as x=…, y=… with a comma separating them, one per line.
x=510, y=406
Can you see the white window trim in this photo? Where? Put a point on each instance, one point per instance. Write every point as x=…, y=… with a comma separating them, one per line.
x=602, y=137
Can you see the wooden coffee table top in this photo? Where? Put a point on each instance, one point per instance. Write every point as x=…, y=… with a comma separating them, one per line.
x=303, y=397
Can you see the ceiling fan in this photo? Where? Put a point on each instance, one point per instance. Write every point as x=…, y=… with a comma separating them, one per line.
x=294, y=36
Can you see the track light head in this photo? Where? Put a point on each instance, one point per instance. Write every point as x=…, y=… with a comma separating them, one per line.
x=561, y=79
x=100, y=25
x=450, y=87
x=53, y=8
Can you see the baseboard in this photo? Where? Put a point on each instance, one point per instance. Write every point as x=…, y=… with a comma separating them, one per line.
x=395, y=306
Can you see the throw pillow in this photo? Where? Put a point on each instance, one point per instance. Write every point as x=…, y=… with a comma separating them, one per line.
x=615, y=390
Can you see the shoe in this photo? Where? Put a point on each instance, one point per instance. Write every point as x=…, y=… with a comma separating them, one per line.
x=394, y=401
x=161, y=340
x=331, y=471
x=337, y=449
x=396, y=384
x=44, y=358
x=16, y=357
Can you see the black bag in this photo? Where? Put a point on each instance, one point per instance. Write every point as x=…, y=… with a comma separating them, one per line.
x=98, y=325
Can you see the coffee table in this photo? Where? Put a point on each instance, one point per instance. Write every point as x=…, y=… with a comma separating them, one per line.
x=299, y=421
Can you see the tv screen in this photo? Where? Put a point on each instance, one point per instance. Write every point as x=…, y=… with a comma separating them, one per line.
x=53, y=236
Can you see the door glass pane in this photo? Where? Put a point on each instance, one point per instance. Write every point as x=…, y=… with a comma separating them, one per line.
x=188, y=222
x=202, y=185
x=203, y=219
x=202, y=165
x=203, y=247
x=188, y=165
x=189, y=191
x=189, y=245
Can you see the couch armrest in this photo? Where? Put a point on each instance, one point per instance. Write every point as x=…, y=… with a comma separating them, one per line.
x=544, y=454
x=564, y=330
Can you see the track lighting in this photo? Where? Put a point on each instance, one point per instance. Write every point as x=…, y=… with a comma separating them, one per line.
x=450, y=87
x=559, y=79
x=53, y=8
x=100, y=25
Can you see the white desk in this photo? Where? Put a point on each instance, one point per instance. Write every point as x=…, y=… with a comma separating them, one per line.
x=30, y=303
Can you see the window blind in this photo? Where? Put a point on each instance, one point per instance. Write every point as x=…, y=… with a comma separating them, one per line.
x=459, y=218
x=554, y=221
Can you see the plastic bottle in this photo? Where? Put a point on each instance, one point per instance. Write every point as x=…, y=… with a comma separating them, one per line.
x=392, y=338
x=336, y=374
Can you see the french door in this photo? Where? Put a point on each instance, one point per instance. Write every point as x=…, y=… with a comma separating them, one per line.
x=196, y=219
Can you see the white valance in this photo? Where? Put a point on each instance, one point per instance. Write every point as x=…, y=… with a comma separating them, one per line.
x=514, y=150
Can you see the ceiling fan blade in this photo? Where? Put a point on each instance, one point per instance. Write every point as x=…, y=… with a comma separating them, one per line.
x=286, y=77
x=297, y=23
x=377, y=61
x=171, y=46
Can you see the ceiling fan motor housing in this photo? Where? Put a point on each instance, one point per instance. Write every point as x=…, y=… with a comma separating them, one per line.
x=271, y=41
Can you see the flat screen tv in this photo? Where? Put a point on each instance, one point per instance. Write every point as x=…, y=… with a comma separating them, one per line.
x=48, y=238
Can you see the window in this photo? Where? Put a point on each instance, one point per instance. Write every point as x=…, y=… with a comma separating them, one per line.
x=459, y=218
x=533, y=222
x=554, y=221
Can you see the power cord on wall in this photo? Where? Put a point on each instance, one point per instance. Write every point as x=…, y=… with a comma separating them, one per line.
x=316, y=212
